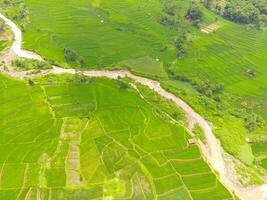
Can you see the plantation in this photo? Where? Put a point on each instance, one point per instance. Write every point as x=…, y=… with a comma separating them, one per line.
x=97, y=33
x=61, y=139
x=95, y=138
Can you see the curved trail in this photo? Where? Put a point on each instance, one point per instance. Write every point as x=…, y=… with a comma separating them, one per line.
x=213, y=151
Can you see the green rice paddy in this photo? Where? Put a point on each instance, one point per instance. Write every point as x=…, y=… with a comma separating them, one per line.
x=103, y=33
x=61, y=139
x=125, y=149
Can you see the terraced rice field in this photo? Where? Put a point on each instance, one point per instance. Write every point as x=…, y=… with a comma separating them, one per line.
x=129, y=33
x=102, y=32
x=94, y=140
x=225, y=56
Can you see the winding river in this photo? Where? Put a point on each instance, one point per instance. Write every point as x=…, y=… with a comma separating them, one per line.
x=212, y=151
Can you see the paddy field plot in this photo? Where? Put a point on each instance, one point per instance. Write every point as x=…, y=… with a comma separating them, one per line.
x=94, y=140
x=103, y=33
x=226, y=56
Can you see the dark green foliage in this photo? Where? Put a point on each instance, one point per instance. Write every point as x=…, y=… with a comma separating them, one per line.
x=23, y=64
x=252, y=121
x=179, y=44
x=70, y=55
x=240, y=11
x=261, y=5
x=122, y=84
x=19, y=63
x=194, y=14
x=170, y=13
x=167, y=20
x=30, y=82
x=82, y=61
x=170, y=7
x=183, y=77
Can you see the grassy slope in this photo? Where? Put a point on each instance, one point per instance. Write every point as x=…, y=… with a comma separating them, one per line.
x=125, y=147
x=103, y=33
x=130, y=30
x=223, y=57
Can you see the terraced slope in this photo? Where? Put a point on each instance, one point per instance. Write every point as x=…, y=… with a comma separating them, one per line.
x=102, y=32
x=94, y=140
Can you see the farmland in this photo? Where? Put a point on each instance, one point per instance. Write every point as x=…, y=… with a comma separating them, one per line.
x=100, y=32
x=87, y=151
x=108, y=140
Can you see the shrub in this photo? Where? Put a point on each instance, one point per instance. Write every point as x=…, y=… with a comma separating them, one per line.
x=70, y=55
x=194, y=14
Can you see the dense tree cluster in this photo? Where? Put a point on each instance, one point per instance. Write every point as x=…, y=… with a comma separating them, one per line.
x=253, y=120
x=179, y=44
x=205, y=87
x=72, y=56
x=170, y=12
x=240, y=11
x=24, y=64
x=194, y=14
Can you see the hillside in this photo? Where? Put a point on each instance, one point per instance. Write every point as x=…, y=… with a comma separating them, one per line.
x=212, y=54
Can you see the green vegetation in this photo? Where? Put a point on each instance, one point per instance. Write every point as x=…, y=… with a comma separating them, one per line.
x=194, y=14
x=199, y=133
x=223, y=76
x=264, y=163
x=89, y=34
x=24, y=64
x=145, y=66
x=221, y=72
x=17, y=10
x=5, y=36
x=70, y=137
x=241, y=11
x=259, y=148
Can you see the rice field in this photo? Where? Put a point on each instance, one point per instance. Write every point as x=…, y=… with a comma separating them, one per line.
x=226, y=55
x=128, y=34
x=103, y=33
x=94, y=140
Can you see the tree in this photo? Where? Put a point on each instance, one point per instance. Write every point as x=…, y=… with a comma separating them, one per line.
x=170, y=7
x=81, y=61
x=70, y=55
x=167, y=20
x=241, y=12
x=209, y=3
x=30, y=82
x=180, y=46
x=19, y=63
x=194, y=13
x=170, y=12
x=122, y=84
x=261, y=5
